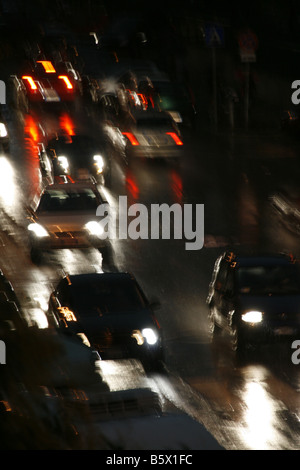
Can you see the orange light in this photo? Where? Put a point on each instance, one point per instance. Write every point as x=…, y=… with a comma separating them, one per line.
x=143, y=99
x=66, y=124
x=132, y=187
x=30, y=81
x=67, y=81
x=31, y=128
x=131, y=138
x=48, y=67
x=175, y=138
x=67, y=314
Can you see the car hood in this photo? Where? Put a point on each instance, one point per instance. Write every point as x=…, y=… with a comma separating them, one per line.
x=271, y=305
x=66, y=221
x=117, y=323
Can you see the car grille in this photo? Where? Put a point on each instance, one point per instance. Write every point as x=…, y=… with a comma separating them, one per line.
x=74, y=234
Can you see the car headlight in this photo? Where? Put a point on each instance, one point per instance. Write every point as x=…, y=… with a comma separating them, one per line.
x=63, y=161
x=3, y=130
x=150, y=335
x=252, y=316
x=99, y=163
x=38, y=230
x=94, y=228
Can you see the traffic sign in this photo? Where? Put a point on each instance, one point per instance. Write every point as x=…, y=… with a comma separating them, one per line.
x=214, y=35
x=247, y=56
x=248, y=40
x=248, y=44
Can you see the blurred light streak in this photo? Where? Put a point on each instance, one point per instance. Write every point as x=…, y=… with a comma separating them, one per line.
x=177, y=185
x=48, y=67
x=67, y=81
x=132, y=187
x=259, y=416
x=38, y=317
x=31, y=128
x=66, y=124
x=7, y=183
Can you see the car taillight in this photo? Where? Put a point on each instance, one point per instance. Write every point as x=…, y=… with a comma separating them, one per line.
x=67, y=81
x=30, y=81
x=175, y=138
x=131, y=138
x=48, y=67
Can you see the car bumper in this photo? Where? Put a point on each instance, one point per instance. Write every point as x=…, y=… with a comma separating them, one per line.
x=67, y=241
x=269, y=332
x=155, y=152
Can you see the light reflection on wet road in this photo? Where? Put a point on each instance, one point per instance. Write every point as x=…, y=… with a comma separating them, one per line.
x=248, y=406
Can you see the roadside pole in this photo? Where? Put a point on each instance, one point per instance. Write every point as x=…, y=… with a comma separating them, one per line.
x=214, y=38
x=248, y=44
x=215, y=91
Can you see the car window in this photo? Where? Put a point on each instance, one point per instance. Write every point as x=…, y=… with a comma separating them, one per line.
x=61, y=200
x=266, y=280
x=102, y=298
x=154, y=123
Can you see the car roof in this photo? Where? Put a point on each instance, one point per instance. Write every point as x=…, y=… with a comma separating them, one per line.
x=75, y=279
x=76, y=186
x=245, y=260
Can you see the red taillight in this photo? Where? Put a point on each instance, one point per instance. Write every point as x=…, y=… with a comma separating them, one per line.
x=131, y=138
x=143, y=100
x=175, y=138
x=67, y=81
x=48, y=67
x=67, y=124
x=31, y=82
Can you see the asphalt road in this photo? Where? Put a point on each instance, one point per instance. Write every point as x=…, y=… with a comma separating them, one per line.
x=250, y=405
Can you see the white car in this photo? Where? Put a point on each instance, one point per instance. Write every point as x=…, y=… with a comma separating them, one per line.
x=65, y=217
x=153, y=135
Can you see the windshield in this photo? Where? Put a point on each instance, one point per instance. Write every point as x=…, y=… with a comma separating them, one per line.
x=266, y=280
x=75, y=145
x=106, y=297
x=155, y=123
x=56, y=200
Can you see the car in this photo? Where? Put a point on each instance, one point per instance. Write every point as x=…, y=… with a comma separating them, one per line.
x=111, y=310
x=64, y=216
x=255, y=298
x=74, y=154
x=172, y=97
x=151, y=135
x=46, y=83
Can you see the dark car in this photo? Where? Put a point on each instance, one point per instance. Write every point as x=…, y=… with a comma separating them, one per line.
x=111, y=310
x=74, y=155
x=45, y=83
x=256, y=299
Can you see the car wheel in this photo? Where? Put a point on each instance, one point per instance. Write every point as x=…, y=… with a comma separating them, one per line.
x=107, y=179
x=237, y=343
x=36, y=256
x=107, y=254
